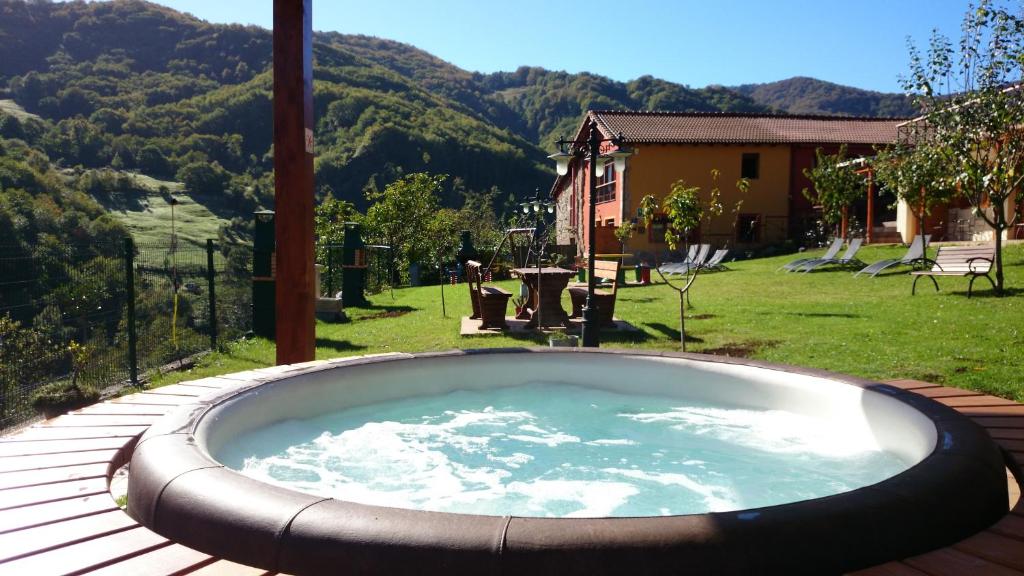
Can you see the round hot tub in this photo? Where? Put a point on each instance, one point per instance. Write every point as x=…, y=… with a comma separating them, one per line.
x=563, y=461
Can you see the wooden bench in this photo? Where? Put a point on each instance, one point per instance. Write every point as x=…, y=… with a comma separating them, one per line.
x=604, y=298
x=489, y=302
x=973, y=261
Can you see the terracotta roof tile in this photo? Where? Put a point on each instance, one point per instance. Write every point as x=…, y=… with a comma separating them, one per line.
x=722, y=128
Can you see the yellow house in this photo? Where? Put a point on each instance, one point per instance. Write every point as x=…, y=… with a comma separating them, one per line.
x=770, y=151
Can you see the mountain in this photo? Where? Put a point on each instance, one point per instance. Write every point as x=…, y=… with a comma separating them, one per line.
x=140, y=87
x=802, y=95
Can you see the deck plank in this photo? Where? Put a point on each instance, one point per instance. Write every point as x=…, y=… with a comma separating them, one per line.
x=41, y=538
x=936, y=393
x=1000, y=421
x=952, y=562
x=1011, y=526
x=228, y=568
x=54, y=433
x=179, y=390
x=98, y=420
x=16, y=497
x=909, y=384
x=173, y=559
x=957, y=401
x=147, y=398
x=1013, y=410
x=1007, y=434
x=46, y=461
x=889, y=569
x=112, y=409
x=40, y=514
x=26, y=478
x=88, y=554
x=37, y=447
x=994, y=547
x=1012, y=445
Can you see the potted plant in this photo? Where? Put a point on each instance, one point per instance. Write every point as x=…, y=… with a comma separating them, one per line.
x=57, y=398
x=519, y=302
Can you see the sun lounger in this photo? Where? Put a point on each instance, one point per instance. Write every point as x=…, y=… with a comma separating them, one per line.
x=849, y=258
x=715, y=262
x=833, y=249
x=697, y=256
x=914, y=254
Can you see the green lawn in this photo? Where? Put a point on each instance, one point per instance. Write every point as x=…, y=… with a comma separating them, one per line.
x=869, y=327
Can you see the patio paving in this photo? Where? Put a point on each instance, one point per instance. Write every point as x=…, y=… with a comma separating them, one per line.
x=57, y=515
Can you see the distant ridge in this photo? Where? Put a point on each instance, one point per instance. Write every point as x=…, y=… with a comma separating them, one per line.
x=802, y=95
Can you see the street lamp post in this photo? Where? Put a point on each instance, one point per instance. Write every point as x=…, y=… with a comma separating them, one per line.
x=591, y=150
x=539, y=207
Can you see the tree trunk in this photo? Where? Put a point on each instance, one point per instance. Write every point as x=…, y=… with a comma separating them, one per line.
x=999, y=262
x=682, y=319
x=999, y=217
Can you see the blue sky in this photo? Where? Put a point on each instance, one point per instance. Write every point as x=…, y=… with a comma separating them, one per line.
x=695, y=42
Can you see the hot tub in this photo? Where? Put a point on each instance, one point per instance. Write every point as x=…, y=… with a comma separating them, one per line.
x=941, y=479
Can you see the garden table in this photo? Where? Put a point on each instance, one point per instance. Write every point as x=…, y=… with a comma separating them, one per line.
x=548, y=300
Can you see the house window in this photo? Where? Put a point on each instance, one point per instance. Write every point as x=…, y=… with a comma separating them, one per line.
x=748, y=229
x=750, y=166
x=606, y=185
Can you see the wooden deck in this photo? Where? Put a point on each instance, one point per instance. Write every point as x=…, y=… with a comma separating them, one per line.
x=57, y=515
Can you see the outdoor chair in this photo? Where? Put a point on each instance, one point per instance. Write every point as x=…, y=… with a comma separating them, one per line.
x=833, y=249
x=715, y=262
x=914, y=255
x=696, y=257
x=691, y=254
x=849, y=258
x=973, y=261
x=604, y=297
x=489, y=302
x=702, y=255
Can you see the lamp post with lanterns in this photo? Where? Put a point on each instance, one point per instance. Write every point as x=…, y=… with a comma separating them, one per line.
x=539, y=207
x=591, y=150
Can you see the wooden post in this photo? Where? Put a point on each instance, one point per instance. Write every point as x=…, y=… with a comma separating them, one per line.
x=293, y=179
x=842, y=227
x=870, y=229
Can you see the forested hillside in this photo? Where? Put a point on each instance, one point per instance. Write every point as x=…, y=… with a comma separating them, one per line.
x=138, y=87
x=802, y=95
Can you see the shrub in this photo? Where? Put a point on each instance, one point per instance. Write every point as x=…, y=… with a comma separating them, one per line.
x=56, y=398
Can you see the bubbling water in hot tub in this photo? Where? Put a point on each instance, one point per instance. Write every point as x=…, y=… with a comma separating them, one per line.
x=556, y=450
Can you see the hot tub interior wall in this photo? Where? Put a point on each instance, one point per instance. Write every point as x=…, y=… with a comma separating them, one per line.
x=895, y=426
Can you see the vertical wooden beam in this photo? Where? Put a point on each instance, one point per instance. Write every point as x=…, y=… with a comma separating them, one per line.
x=870, y=230
x=293, y=179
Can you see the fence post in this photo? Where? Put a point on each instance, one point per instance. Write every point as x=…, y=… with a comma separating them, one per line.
x=211, y=274
x=129, y=286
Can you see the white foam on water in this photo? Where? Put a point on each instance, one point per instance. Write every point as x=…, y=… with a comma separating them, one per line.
x=563, y=451
x=771, y=430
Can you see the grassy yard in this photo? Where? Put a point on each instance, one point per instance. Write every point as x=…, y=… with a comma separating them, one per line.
x=868, y=327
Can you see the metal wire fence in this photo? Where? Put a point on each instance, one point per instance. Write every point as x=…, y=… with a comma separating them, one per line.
x=134, y=308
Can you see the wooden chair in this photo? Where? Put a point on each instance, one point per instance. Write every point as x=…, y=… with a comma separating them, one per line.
x=604, y=297
x=973, y=261
x=489, y=302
